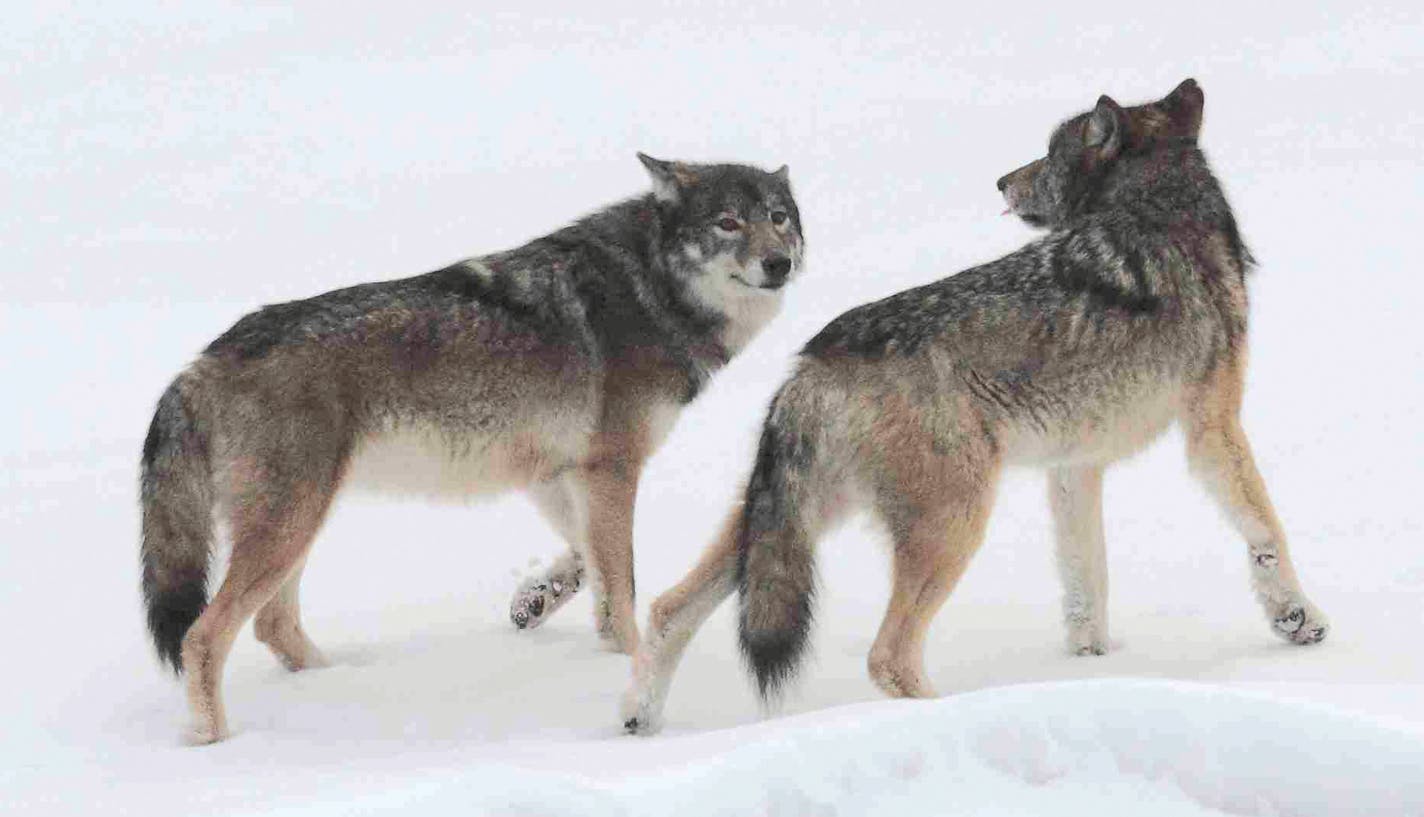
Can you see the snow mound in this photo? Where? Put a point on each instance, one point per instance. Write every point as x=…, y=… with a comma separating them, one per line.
x=1099, y=747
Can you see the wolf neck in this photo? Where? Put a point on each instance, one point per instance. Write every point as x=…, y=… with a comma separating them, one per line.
x=635, y=305
x=1170, y=185
x=1170, y=192
x=746, y=311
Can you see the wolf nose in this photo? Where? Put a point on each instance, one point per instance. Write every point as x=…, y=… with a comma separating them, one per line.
x=1003, y=182
x=777, y=267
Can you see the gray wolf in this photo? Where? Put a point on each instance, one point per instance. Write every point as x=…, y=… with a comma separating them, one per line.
x=556, y=368
x=1075, y=351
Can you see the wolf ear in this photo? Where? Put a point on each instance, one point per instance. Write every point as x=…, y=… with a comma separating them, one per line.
x=669, y=178
x=1184, y=107
x=782, y=174
x=1105, y=127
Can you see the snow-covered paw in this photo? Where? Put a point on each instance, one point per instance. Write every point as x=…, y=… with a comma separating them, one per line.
x=898, y=679
x=203, y=734
x=314, y=659
x=538, y=598
x=300, y=657
x=640, y=710
x=643, y=723
x=1087, y=640
x=639, y=713
x=1300, y=624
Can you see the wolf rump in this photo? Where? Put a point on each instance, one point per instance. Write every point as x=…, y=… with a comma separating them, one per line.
x=1070, y=353
x=556, y=367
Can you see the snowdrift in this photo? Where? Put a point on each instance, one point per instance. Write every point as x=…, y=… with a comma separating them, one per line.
x=1101, y=747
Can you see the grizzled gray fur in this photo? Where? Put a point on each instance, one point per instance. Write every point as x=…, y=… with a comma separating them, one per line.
x=556, y=368
x=1071, y=353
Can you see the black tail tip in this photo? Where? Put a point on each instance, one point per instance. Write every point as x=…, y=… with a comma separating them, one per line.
x=170, y=614
x=773, y=658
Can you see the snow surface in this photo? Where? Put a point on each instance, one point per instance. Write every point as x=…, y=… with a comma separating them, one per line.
x=170, y=169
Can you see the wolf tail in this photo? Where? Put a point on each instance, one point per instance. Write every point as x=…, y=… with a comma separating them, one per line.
x=784, y=512
x=177, y=496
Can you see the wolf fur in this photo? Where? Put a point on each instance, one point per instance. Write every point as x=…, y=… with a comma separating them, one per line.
x=556, y=367
x=1073, y=352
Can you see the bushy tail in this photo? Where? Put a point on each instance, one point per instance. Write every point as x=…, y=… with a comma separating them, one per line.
x=775, y=566
x=176, y=493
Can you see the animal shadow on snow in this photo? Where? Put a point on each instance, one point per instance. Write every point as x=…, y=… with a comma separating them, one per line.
x=475, y=682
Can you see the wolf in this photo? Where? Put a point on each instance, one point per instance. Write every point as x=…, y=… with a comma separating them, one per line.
x=557, y=368
x=1071, y=353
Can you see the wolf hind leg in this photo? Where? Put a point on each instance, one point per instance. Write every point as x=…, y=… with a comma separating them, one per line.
x=1075, y=495
x=1220, y=456
x=272, y=531
x=538, y=597
x=675, y=617
x=279, y=626
x=937, y=525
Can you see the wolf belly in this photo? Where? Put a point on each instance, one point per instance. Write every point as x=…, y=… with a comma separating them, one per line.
x=424, y=459
x=1094, y=431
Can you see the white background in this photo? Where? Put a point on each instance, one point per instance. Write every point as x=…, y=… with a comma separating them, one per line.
x=167, y=169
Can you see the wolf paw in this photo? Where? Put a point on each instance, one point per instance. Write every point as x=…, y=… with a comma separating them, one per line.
x=642, y=726
x=203, y=734
x=640, y=715
x=1087, y=640
x=538, y=598
x=1300, y=624
x=898, y=680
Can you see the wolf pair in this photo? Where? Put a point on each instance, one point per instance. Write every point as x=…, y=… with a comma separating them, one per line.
x=558, y=368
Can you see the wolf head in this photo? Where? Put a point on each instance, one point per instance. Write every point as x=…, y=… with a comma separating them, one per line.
x=732, y=231
x=1082, y=152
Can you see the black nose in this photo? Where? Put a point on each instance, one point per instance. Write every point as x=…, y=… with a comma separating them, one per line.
x=1004, y=182
x=777, y=267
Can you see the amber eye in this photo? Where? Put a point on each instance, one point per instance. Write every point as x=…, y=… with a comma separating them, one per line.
x=730, y=224
x=778, y=217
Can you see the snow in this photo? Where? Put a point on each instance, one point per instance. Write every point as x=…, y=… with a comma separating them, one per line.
x=170, y=169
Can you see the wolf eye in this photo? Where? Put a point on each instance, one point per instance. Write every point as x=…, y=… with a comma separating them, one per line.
x=729, y=224
x=778, y=217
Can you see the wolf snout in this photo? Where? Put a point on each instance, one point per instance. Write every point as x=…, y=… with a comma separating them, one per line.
x=774, y=269
x=1003, y=182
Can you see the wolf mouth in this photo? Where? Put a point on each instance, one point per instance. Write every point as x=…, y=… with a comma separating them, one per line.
x=1029, y=217
x=749, y=285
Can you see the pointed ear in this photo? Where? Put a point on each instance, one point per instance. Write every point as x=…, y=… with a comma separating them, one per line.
x=1184, y=107
x=1105, y=128
x=782, y=174
x=669, y=178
